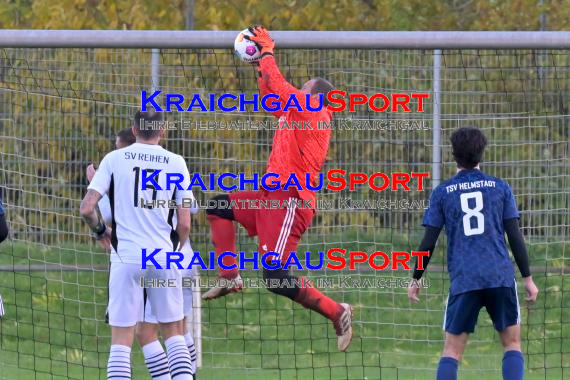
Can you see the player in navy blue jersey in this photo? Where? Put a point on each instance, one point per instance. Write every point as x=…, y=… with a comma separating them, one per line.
x=477, y=210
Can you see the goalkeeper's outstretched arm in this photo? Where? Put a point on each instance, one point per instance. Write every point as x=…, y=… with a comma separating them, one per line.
x=276, y=83
x=264, y=90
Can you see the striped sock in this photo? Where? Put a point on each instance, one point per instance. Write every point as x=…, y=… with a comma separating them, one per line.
x=178, y=358
x=156, y=361
x=192, y=349
x=119, y=365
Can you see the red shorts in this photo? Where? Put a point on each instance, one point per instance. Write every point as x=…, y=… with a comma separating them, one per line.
x=278, y=229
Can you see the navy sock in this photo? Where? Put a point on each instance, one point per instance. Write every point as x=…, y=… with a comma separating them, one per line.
x=513, y=365
x=447, y=369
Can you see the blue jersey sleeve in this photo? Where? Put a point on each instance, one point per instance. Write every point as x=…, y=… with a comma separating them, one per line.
x=434, y=215
x=510, y=210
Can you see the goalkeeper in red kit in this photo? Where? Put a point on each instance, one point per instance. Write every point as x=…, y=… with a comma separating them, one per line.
x=279, y=230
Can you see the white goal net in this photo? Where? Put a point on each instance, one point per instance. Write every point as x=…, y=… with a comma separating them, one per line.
x=60, y=109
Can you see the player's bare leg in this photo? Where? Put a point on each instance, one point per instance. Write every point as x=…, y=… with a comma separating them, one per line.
x=146, y=333
x=454, y=345
x=511, y=338
x=452, y=352
x=513, y=360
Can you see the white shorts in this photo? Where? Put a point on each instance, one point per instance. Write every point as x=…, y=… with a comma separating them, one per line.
x=149, y=316
x=127, y=296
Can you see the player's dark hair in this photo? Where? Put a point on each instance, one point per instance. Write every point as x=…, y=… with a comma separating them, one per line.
x=468, y=144
x=322, y=86
x=148, y=116
x=126, y=136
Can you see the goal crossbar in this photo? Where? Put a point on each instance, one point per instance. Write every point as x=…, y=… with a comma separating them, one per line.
x=285, y=39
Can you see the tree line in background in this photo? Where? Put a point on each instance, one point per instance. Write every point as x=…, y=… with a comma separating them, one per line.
x=287, y=14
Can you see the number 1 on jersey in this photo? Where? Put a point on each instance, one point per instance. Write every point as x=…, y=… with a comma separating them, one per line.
x=473, y=213
x=137, y=171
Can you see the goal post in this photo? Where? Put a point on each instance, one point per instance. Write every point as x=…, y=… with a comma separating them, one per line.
x=65, y=94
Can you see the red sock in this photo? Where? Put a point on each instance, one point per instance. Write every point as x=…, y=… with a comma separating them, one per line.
x=311, y=298
x=223, y=234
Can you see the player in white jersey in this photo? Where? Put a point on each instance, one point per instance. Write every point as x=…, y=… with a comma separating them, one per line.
x=147, y=330
x=139, y=230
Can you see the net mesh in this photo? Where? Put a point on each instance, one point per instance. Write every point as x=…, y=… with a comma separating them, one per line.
x=61, y=109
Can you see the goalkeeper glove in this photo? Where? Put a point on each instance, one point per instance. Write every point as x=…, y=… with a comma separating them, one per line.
x=262, y=39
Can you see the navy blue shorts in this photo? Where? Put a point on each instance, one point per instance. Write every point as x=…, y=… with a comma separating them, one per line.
x=462, y=310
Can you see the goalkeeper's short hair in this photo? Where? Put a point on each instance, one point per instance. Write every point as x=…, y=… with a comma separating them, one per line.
x=144, y=117
x=322, y=86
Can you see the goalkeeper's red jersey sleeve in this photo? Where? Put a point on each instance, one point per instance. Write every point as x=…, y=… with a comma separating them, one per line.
x=295, y=149
x=264, y=90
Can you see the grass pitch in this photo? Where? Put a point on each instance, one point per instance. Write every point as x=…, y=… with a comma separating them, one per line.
x=54, y=328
